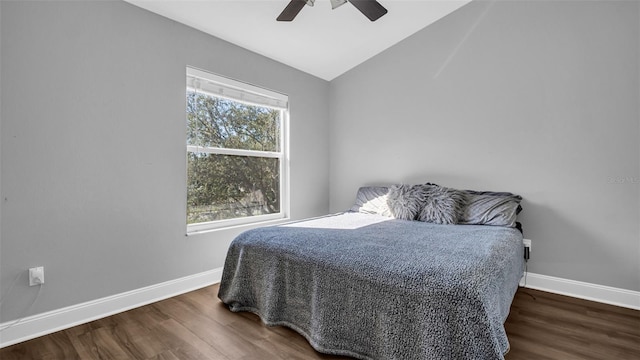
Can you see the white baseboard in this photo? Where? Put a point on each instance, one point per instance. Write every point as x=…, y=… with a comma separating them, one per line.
x=56, y=320
x=582, y=290
x=60, y=319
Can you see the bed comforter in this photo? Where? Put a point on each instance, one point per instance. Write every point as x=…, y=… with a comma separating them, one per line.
x=371, y=287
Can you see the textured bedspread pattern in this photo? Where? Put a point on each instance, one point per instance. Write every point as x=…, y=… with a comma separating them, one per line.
x=371, y=287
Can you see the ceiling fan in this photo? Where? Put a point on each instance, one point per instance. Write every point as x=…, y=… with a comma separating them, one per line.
x=370, y=8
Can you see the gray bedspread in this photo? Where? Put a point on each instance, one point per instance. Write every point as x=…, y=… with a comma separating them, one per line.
x=371, y=287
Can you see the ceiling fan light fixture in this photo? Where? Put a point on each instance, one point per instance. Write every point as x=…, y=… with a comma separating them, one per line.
x=310, y=2
x=337, y=3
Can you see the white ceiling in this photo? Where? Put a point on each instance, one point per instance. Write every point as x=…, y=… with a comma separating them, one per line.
x=320, y=41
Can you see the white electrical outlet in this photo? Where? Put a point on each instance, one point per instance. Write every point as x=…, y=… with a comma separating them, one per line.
x=36, y=276
x=527, y=243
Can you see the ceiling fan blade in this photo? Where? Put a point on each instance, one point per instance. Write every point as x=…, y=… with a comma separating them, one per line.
x=370, y=8
x=293, y=8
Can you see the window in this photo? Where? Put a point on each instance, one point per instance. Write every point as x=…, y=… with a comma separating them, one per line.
x=237, y=168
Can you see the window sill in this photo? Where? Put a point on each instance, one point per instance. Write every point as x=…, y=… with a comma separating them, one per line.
x=245, y=226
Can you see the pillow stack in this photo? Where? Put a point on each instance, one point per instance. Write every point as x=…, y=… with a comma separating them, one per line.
x=439, y=204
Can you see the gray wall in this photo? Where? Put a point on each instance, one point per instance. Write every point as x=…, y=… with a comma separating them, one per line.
x=538, y=98
x=93, y=148
x=535, y=97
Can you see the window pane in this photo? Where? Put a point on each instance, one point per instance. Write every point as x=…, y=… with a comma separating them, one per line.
x=218, y=122
x=225, y=186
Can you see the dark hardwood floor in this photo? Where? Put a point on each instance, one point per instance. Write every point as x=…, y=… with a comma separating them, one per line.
x=197, y=326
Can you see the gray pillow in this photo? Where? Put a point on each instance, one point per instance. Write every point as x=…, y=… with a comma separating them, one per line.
x=372, y=200
x=491, y=208
x=405, y=201
x=442, y=205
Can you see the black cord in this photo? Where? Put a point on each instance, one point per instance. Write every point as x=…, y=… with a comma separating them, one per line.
x=524, y=286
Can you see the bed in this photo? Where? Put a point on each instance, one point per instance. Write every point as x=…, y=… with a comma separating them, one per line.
x=370, y=286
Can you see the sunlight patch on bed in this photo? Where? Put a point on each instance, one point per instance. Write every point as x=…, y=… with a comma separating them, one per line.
x=350, y=221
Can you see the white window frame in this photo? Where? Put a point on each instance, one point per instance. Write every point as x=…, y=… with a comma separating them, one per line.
x=219, y=86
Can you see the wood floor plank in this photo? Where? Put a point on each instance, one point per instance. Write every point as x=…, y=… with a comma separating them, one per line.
x=230, y=344
x=198, y=326
x=165, y=355
x=561, y=327
x=185, y=343
x=52, y=346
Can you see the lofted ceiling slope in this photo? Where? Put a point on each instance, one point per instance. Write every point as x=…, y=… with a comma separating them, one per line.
x=320, y=41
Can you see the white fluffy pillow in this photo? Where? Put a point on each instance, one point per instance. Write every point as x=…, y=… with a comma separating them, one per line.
x=442, y=205
x=405, y=201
